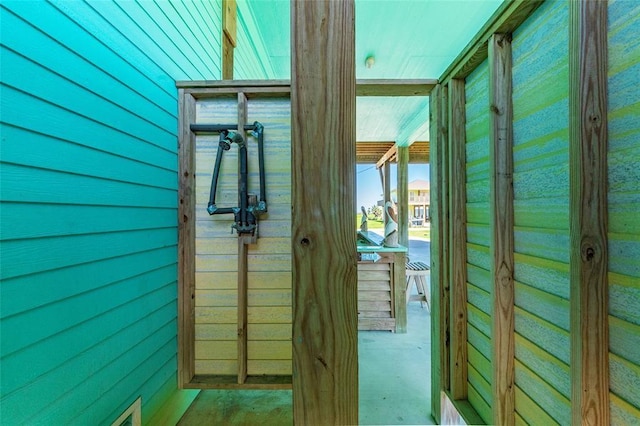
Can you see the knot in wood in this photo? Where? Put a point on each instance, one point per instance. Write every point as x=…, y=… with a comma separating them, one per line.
x=590, y=250
x=305, y=241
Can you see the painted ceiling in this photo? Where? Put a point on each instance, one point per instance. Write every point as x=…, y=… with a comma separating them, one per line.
x=409, y=39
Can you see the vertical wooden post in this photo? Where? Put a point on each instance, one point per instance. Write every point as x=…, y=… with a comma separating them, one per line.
x=229, y=30
x=403, y=195
x=243, y=285
x=186, y=240
x=436, y=247
x=325, y=344
x=400, y=292
x=386, y=189
x=588, y=213
x=443, y=228
x=458, y=239
x=501, y=171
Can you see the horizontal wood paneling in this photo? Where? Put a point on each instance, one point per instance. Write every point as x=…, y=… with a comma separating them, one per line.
x=541, y=211
x=475, y=396
x=268, y=261
x=623, y=158
x=544, y=395
x=89, y=202
x=479, y=287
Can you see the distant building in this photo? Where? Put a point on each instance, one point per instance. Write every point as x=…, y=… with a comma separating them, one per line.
x=419, y=193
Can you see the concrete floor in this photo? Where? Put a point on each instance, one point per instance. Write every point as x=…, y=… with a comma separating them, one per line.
x=394, y=374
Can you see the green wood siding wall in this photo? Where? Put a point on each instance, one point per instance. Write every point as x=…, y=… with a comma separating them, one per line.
x=541, y=212
x=479, y=285
x=624, y=219
x=89, y=202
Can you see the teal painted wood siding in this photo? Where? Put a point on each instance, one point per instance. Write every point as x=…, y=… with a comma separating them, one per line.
x=479, y=286
x=89, y=202
x=541, y=212
x=624, y=219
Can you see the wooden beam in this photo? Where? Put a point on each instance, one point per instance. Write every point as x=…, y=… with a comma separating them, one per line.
x=186, y=240
x=325, y=323
x=229, y=12
x=387, y=156
x=402, y=193
x=501, y=201
x=505, y=20
x=386, y=189
x=588, y=141
x=396, y=87
x=400, y=292
x=444, y=227
x=415, y=87
x=458, y=239
x=243, y=284
x=436, y=244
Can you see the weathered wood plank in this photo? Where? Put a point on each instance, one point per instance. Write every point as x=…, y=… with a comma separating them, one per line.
x=544, y=395
x=502, y=247
x=229, y=28
x=588, y=139
x=437, y=383
x=186, y=241
x=243, y=264
x=457, y=140
x=403, y=195
x=529, y=411
x=221, y=381
x=324, y=250
x=399, y=297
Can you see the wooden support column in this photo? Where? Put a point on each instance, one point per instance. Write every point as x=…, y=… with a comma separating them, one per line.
x=501, y=201
x=186, y=240
x=588, y=141
x=435, y=167
x=438, y=168
x=243, y=284
x=403, y=195
x=444, y=257
x=229, y=30
x=325, y=342
x=386, y=189
x=458, y=239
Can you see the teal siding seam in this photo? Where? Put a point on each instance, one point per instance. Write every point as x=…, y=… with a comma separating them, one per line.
x=88, y=164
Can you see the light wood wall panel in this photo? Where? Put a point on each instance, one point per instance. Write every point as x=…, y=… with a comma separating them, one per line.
x=541, y=185
x=623, y=159
x=268, y=261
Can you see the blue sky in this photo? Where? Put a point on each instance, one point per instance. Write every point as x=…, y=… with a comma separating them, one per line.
x=369, y=186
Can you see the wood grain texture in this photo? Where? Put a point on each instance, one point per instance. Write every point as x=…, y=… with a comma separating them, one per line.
x=395, y=87
x=229, y=30
x=458, y=249
x=588, y=195
x=243, y=288
x=443, y=228
x=186, y=241
x=502, y=247
x=435, y=117
x=399, y=296
x=325, y=360
x=243, y=264
x=403, y=195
